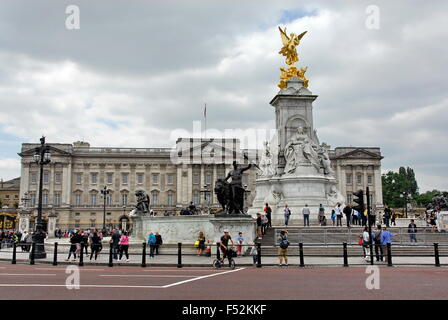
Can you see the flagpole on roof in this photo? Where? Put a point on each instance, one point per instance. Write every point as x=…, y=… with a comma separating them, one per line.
x=205, y=120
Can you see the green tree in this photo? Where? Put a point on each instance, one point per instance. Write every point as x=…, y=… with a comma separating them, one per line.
x=396, y=185
x=425, y=198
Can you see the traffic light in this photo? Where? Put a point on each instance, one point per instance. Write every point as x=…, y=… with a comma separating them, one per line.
x=360, y=201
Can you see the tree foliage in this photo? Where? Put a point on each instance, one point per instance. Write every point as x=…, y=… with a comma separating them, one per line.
x=398, y=185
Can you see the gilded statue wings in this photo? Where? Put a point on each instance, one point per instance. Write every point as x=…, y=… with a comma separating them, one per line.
x=285, y=38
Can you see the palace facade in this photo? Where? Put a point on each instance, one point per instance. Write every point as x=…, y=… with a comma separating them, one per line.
x=172, y=177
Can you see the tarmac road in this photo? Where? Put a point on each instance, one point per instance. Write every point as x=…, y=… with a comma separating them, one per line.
x=31, y=282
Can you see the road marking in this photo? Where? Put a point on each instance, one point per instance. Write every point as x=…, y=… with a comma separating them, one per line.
x=81, y=286
x=145, y=275
x=202, y=277
x=27, y=274
x=81, y=268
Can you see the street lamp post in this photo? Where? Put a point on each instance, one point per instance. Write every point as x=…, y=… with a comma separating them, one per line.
x=104, y=192
x=405, y=196
x=42, y=156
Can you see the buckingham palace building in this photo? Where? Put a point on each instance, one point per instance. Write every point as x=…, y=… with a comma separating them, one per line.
x=172, y=177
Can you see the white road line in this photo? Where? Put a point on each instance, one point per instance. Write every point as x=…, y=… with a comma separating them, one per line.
x=27, y=274
x=201, y=277
x=81, y=286
x=145, y=275
x=80, y=268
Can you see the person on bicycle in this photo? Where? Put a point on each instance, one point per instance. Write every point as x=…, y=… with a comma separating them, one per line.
x=224, y=244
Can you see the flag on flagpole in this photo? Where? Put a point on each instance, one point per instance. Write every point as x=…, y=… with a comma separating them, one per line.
x=205, y=110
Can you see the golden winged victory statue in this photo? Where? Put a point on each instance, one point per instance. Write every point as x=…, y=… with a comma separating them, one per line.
x=290, y=52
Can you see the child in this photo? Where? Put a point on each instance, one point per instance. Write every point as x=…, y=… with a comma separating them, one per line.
x=239, y=242
x=333, y=216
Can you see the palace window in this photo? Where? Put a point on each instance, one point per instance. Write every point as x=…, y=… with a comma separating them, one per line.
x=154, y=198
x=196, y=197
x=46, y=177
x=139, y=178
x=78, y=178
x=170, y=179
x=124, y=178
x=34, y=178
x=208, y=178
x=109, y=177
x=93, y=199
x=57, y=178
x=93, y=177
x=359, y=178
x=196, y=178
x=369, y=179
x=57, y=199
x=77, y=199
x=170, y=199
x=124, y=199
x=349, y=178
x=155, y=178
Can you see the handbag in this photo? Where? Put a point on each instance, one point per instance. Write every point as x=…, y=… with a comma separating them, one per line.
x=196, y=243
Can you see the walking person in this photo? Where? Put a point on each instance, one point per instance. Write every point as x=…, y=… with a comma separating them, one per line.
x=85, y=241
x=348, y=212
x=412, y=230
x=152, y=245
x=338, y=210
x=124, y=246
x=377, y=240
x=355, y=217
x=283, y=250
x=95, y=244
x=254, y=254
x=259, y=234
x=224, y=245
x=392, y=221
x=287, y=214
x=306, y=216
x=72, y=250
x=159, y=242
x=267, y=209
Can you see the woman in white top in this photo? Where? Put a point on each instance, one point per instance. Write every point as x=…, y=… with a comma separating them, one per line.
x=365, y=241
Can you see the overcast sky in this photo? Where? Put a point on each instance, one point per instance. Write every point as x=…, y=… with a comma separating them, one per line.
x=138, y=71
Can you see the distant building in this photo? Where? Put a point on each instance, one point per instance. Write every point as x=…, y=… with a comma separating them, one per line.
x=172, y=177
x=9, y=193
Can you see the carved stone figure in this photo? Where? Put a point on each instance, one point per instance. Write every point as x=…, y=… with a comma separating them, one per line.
x=142, y=205
x=335, y=196
x=266, y=165
x=325, y=161
x=300, y=149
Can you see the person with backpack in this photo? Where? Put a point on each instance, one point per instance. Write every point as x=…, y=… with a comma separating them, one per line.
x=152, y=245
x=377, y=240
x=283, y=250
x=287, y=213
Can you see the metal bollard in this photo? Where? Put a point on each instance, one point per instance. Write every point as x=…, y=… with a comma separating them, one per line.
x=258, y=255
x=218, y=255
x=144, y=255
x=14, y=250
x=389, y=255
x=436, y=255
x=302, y=263
x=81, y=255
x=179, y=254
x=111, y=263
x=344, y=245
x=33, y=250
x=55, y=255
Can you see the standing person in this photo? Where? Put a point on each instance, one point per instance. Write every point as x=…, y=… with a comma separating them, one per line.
x=355, y=217
x=23, y=240
x=394, y=216
x=333, y=216
x=259, y=234
x=338, y=210
x=124, y=246
x=29, y=240
x=386, y=237
x=115, y=240
x=254, y=254
x=240, y=242
x=267, y=209
x=377, y=240
x=95, y=244
x=201, y=245
x=348, y=212
x=364, y=217
x=264, y=224
x=287, y=214
x=432, y=220
x=224, y=245
x=85, y=241
x=306, y=216
x=321, y=214
x=159, y=242
x=412, y=230
x=387, y=215
x=283, y=248
x=152, y=245
x=365, y=242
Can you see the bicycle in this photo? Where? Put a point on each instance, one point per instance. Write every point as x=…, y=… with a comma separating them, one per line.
x=217, y=263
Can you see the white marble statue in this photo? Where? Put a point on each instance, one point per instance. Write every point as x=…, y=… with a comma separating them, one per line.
x=335, y=196
x=266, y=165
x=301, y=149
x=325, y=161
